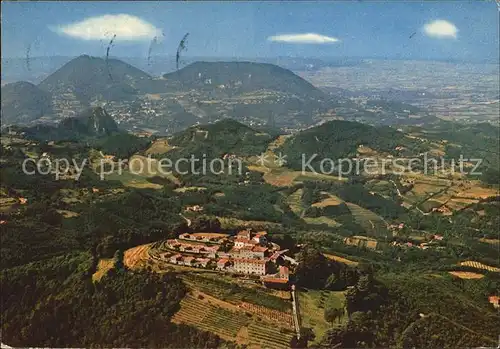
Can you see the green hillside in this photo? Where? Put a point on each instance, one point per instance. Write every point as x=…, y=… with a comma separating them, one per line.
x=23, y=102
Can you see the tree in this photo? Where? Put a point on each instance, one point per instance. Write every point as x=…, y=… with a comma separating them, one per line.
x=314, y=268
x=330, y=314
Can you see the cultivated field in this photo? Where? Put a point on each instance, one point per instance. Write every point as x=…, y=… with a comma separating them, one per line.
x=478, y=265
x=466, y=275
x=220, y=287
x=149, y=167
x=332, y=200
x=232, y=323
x=371, y=222
x=184, y=189
x=490, y=241
x=294, y=201
x=136, y=257
x=208, y=317
x=321, y=220
x=269, y=337
x=340, y=259
x=159, y=146
x=103, y=267
x=279, y=317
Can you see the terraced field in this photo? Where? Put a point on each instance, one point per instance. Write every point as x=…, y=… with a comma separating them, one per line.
x=222, y=322
x=233, y=293
x=269, y=336
x=284, y=319
x=371, y=222
x=135, y=257
x=295, y=202
x=322, y=220
x=230, y=324
x=478, y=265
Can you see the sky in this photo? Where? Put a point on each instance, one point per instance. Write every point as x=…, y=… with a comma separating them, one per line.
x=441, y=30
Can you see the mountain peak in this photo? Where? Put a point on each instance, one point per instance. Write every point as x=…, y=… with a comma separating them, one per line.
x=243, y=77
x=86, y=78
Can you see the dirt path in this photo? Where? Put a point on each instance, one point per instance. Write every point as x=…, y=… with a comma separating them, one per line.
x=188, y=221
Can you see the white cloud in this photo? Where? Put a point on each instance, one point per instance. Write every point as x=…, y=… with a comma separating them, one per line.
x=441, y=29
x=125, y=27
x=306, y=38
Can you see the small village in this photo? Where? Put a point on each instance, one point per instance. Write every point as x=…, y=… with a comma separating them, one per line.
x=246, y=253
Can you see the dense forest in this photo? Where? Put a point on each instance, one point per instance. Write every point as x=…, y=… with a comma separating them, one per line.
x=66, y=309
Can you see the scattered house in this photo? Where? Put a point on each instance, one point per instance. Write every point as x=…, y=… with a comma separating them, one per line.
x=424, y=246
x=284, y=272
x=176, y=259
x=260, y=237
x=189, y=261
x=202, y=262
x=3, y=222
x=279, y=280
x=222, y=263
x=277, y=283
x=195, y=208
x=438, y=237
x=23, y=201
x=495, y=300
x=165, y=256
x=397, y=226
x=95, y=190
x=361, y=241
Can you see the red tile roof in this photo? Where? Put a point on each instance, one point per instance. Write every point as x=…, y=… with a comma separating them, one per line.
x=251, y=261
x=259, y=249
x=222, y=261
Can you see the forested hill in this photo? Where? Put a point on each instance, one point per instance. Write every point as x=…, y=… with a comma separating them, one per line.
x=23, y=102
x=243, y=77
x=93, y=122
x=223, y=137
x=87, y=77
x=339, y=139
